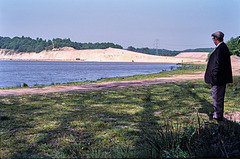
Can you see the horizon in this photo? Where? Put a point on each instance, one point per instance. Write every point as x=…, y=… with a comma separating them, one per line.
x=157, y=24
x=106, y=42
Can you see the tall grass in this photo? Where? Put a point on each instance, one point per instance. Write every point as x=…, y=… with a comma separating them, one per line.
x=191, y=142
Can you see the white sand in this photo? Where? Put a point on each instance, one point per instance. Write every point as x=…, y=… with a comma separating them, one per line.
x=103, y=55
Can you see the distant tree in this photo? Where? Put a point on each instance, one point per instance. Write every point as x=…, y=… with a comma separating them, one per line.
x=131, y=48
x=234, y=46
x=26, y=44
x=49, y=43
x=30, y=48
x=20, y=49
x=39, y=48
x=144, y=50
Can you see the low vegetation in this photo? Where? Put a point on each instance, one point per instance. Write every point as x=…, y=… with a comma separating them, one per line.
x=165, y=52
x=27, y=44
x=166, y=120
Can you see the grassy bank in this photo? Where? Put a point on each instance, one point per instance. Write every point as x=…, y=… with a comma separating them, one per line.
x=166, y=120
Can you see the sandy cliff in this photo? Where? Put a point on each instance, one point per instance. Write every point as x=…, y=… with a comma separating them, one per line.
x=103, y=55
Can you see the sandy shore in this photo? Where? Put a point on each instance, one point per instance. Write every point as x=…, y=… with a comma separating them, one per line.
x=102, y=55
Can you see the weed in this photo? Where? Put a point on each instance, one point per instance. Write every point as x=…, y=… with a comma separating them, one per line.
x=25, y=85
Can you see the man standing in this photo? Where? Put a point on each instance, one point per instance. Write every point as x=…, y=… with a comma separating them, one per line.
x=218, y=74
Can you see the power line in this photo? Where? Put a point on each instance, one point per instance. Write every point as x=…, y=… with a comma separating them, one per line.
x=156, y=45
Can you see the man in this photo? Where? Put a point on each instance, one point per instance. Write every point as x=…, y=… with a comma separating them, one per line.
x=218, y=74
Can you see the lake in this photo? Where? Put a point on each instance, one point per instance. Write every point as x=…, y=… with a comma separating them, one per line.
x=15, y=73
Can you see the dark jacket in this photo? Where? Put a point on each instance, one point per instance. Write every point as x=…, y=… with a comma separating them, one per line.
x=219, y=69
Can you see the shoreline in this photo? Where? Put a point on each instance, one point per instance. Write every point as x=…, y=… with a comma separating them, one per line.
x=100, y=86
x=88, y=75
x=199, y=75
x=56, y=60
x=235, y=69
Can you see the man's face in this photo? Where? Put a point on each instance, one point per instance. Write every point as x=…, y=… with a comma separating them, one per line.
x=215, y=40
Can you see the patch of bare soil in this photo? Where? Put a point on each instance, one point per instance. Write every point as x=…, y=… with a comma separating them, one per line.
x=233, y=116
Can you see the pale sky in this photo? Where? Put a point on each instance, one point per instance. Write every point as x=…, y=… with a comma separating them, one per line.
x=178, y=24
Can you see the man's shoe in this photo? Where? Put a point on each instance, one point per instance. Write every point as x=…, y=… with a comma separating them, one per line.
x=210, y=116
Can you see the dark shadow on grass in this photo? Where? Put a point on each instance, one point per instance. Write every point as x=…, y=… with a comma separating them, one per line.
x=155, y=139
x=205, y=106
x=210, y=139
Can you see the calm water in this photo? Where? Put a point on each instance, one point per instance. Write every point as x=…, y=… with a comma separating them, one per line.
x=15, y=73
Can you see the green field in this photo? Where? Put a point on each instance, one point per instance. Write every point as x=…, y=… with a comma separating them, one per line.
x=164, y=120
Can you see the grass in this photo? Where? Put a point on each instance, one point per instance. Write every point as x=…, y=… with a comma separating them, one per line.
x=184, y=69
x=165, y=120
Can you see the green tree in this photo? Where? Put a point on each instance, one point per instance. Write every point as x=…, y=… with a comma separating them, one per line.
x=234, y=46
x=131, y=48
x=39, y=48
x=30, y=48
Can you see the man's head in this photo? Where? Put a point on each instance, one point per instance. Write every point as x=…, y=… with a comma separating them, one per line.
x=217, y=37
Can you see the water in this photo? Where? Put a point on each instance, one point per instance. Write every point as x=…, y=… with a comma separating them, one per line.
x=15, y=73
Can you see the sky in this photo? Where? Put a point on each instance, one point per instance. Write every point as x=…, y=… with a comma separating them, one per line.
x=163, y=24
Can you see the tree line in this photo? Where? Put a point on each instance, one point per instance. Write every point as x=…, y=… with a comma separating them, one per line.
x=27, y=44
x=160, y=52
x=165, y=52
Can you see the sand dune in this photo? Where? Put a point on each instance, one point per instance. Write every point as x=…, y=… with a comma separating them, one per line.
x=103, y=55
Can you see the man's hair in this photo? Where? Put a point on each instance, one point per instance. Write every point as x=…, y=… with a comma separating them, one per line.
x=219, y=35
x=220, y=38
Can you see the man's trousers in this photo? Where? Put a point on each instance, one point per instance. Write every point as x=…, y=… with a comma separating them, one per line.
x=218, y=92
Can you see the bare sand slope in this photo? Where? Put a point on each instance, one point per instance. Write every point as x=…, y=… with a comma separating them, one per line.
x=102, y=55
x=235, y=60
x=193, y=55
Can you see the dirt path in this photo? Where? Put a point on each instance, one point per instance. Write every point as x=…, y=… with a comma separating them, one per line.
x=233, y=116
x=107, y=85
x=98, y=86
